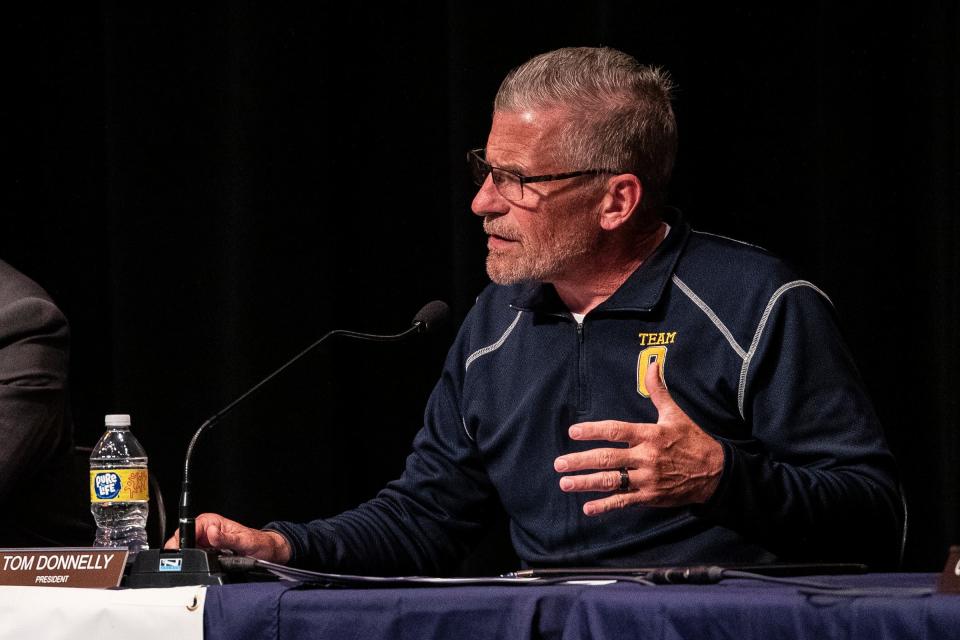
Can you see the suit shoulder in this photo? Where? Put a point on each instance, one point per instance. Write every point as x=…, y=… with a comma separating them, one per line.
x=16, y=286
x=26, y=309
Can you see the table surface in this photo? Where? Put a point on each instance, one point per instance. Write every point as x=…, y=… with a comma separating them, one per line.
x=740, y=609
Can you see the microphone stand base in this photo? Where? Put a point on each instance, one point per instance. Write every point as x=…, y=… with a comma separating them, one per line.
x=175, y=568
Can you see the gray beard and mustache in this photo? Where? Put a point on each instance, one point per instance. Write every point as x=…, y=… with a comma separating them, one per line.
x=543, y=258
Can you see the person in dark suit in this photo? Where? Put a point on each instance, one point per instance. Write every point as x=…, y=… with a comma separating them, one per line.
x=42, y=495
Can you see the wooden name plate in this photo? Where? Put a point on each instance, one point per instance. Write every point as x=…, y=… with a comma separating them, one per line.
x=950, y=578
x=99, y=568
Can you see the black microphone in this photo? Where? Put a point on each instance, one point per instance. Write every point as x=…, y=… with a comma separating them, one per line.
x=431, y=316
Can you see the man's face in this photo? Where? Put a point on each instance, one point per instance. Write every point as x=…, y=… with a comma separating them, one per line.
x=548, y=234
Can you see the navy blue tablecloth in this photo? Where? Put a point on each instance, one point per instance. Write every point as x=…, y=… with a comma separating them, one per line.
x=734, y=609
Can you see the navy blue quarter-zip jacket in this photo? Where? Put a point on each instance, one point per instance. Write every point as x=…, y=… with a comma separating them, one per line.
x=751, y=353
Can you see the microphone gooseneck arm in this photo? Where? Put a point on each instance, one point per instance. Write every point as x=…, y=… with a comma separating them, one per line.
x=431, y=316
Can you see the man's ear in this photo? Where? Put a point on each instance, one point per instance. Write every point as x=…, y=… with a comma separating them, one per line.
x=621, y=201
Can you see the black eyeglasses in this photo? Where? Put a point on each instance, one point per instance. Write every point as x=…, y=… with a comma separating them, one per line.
x=510, y=183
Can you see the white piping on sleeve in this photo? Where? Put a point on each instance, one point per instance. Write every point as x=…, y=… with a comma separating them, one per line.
x=493, y=347
x=710, y=314
x=741, y=391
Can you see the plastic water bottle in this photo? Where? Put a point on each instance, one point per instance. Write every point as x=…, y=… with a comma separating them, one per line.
x=119, y=484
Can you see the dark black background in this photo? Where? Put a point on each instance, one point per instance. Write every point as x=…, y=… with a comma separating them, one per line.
x=206, y=190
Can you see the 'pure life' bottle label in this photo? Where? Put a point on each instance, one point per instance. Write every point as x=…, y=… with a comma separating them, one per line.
x=118, y=485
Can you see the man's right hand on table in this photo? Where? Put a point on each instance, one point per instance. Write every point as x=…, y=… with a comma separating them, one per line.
x=216, y=532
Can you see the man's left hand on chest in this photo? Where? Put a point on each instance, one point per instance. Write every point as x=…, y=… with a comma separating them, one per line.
x=670, y=463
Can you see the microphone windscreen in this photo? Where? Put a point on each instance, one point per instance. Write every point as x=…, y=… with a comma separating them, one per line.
x=432, y=316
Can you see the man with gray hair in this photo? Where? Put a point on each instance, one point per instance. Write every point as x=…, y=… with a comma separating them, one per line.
x=629, y=391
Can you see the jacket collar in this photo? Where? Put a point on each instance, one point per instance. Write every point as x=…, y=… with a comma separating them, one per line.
x=641, y=291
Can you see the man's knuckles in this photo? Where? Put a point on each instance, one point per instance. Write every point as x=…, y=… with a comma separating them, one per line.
x=605, y=459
